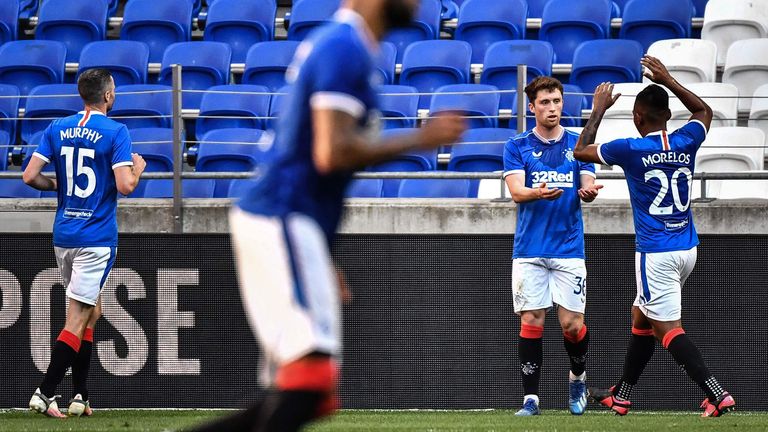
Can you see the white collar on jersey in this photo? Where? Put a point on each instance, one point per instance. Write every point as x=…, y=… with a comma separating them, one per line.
x=544, y=140
x=658, y=132
x=349, y=16
x=94, y=112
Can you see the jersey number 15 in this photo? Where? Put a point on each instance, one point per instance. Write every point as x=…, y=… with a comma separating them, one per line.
x=82, y=169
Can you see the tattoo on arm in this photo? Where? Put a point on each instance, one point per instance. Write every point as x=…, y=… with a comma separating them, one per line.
x=589, y=133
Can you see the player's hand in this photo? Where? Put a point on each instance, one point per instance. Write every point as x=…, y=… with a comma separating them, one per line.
x=543, y=192
x=604, y=98
x=345, y=294
x=656, y=71
x=589, y=193
x=442, y=129
x=139, y=164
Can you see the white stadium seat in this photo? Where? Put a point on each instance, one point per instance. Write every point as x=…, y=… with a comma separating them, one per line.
x=731, y=149
x=688, y=60
x=758, y=114
x=721, y=97
x=726, y=21
x=746, y=67
x=613, y=189
x=491, y=189
x=622, y=109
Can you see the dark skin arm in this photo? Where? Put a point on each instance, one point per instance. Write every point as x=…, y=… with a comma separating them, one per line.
x=586, y=150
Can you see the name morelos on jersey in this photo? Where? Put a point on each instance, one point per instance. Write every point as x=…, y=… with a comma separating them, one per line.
x=659, y=171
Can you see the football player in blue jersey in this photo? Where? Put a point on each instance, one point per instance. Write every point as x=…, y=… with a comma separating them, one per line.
x=548, y=184
x=659, y=169
x=284, y=225
x=93, y=161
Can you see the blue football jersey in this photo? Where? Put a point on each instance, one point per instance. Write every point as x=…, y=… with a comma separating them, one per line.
x=332, y=69
x=659, y=171
x=548, y=229
x=84, y=149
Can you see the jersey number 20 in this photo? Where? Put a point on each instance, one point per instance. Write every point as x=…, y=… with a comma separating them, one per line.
x=82, y=169
x=654, y=209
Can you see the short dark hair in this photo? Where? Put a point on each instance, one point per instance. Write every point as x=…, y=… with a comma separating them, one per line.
x=542, y=83
x=654, y=101
x=92, y=84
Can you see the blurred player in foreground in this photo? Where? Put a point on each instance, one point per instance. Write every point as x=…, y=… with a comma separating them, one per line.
x=659, y=169
x=283, y=228
x=548, y=261
x=93, y=162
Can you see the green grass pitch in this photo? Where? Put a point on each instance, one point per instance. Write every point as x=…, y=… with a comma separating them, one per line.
x=425, y=421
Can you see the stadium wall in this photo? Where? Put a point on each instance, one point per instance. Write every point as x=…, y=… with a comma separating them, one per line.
x=431, y=325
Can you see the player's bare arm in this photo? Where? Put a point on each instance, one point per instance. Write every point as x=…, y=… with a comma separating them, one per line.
x=657, y=72
x=586, y=149
x=589, y=190
x=33, y=175
x=127, y=177
x=339, y=145
x=521, y=193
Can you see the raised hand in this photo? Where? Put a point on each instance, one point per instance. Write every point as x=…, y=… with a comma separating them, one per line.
x=603, y=98
x=656, y=71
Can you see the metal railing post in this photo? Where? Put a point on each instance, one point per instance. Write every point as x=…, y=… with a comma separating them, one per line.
x=178, y=150
x=522, y=74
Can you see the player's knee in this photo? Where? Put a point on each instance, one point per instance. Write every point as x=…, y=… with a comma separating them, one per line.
x=572, y=327
x=316, y=374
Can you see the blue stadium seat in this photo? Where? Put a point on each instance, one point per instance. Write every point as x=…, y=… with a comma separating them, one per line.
x=238, y=187
x=449, y=9
x=9, y=20
x=158, y=23
x=155, y=145
x=405, y=107
x=567, y=23
x=190, y=188
x=126, y=60
x=204, y=65
x=267, y=62
x=365, y=188
x=9, y=109
x=275, y=105
x=308, y=14
x=409, y=161
x=241, y=23
x=28, y=8
x=74, y=22
x=230, y=105
x=481, y=149
x=572, y=106
x=157, y=106
x=434, y=188
x=5, y=149
x=428, y=65
x=196, y=6
x=385, y=63
x=15, y=188
x=112, y=8
x=485, y=105
x=536, y=8
x=49, y=107
x=699, y=6
x=484, y=22
x=613, y=60
x=214, y=154
x=648, y=21
x=425, y=26
x=30, y=63
x=502, y=58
